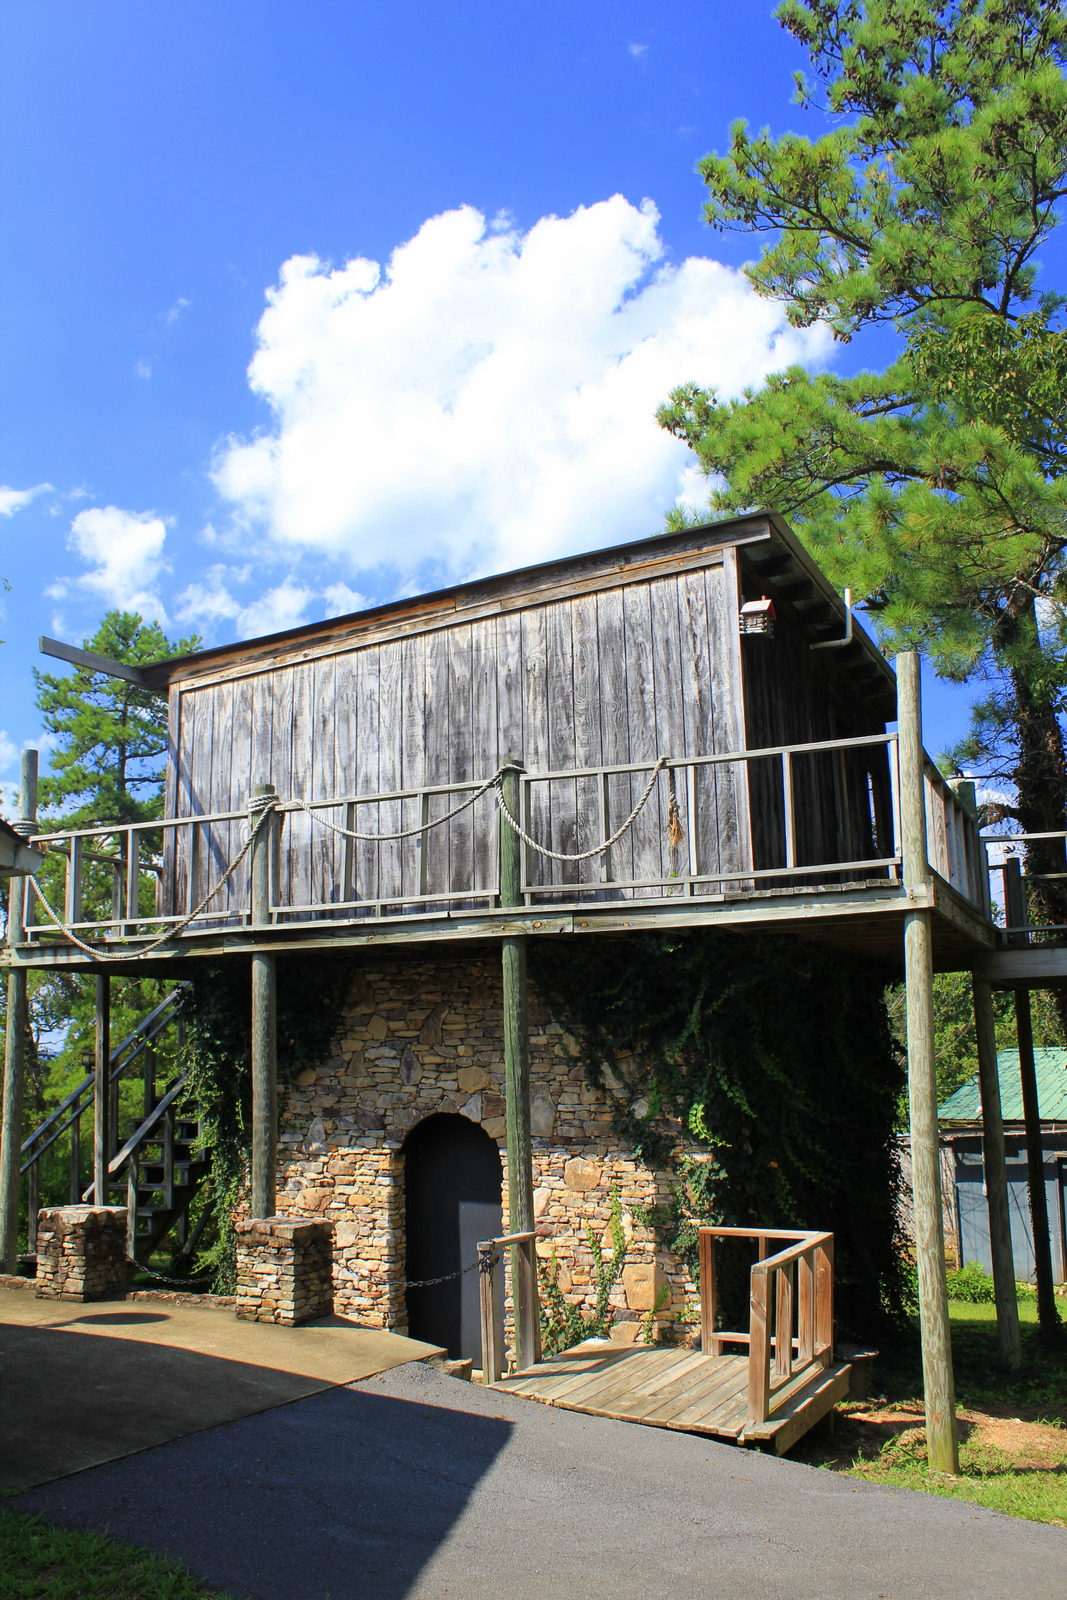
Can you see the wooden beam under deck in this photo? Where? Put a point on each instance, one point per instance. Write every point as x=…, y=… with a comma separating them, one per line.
x=862, y=919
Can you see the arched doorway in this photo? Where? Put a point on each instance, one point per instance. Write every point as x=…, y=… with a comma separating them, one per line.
x=453, y=1177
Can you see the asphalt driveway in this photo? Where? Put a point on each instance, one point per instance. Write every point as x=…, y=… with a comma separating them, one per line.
x=413, y=1484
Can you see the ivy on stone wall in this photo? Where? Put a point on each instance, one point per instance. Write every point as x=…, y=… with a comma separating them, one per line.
x=311, y=994
x=776, y=1060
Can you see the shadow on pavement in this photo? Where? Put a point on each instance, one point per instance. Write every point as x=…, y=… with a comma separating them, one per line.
x=345, y=1495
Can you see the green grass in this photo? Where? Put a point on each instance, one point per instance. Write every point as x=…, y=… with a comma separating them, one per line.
x=1032, y=1484
x=987, y=1477
x=41, y=1562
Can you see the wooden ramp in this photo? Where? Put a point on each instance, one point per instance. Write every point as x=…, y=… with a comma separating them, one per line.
x=682, y=1389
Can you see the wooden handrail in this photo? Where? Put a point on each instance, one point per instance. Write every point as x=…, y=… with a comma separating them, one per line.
x=802, y=1299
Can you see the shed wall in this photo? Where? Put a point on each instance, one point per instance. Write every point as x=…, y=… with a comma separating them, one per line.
x=620, y=675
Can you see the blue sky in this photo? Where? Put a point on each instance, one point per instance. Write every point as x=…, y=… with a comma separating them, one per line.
x=523, y=177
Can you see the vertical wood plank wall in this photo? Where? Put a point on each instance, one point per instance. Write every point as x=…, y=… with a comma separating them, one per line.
x=623, y=674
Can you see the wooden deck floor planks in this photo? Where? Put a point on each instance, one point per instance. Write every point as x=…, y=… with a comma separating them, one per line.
x=680, y=1389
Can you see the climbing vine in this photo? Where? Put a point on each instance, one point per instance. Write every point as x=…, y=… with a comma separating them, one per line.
x=763, y=1075
x=311, y=995
x=563, y=1324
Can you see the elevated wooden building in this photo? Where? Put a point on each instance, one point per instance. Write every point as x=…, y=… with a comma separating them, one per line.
x=685, y=731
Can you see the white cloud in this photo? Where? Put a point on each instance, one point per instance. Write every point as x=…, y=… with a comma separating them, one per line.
x=637, y=50
x=8, y=750
x=125, y=551
x=341, y=600
x=213, y=601
x=12, y=500
x=180, y=305
x=487, y=400
x=142, y=369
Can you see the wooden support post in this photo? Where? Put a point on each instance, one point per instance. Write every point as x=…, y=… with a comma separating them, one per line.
x=264, y=1024
x=938, y=1387
x=15, y=1037
x=101, y=1089
x=517, y=1081
x=1047, y=1314
x=996, y=1177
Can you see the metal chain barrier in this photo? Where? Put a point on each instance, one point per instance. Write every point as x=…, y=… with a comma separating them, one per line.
x=446, y=1277
x=162, y=1278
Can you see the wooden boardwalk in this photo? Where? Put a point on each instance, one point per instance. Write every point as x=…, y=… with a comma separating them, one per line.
x=682, y=1389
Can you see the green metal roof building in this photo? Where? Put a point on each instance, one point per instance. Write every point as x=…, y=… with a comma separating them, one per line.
x=961, y=1129
x=965, y=1106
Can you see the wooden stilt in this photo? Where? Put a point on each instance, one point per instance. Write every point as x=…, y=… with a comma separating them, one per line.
x=996, y=1177
x=938, y=1388
x=517, y=1084
x=101, y=1089
x=1047, y=1314
x=264, y=1025
x=15, y=1038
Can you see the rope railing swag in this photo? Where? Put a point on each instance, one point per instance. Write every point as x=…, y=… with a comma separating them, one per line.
x=266, y=804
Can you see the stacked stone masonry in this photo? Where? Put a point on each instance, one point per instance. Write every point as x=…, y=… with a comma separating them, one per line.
x=81, y=1252
x=284, y=1270
x=424, y=1038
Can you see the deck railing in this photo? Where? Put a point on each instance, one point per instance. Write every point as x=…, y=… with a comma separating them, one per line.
x=828, y=814
x=525, y=1302
x=791, y=1311
x=1008, y=882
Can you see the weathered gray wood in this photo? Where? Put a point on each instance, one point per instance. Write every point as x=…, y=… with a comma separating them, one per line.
x=938, y=1388
x=15, y=1035
x=1047, y=1312
x=489, y=1303
x=101, y=1088
x=264, y=1029
x=996, y=1177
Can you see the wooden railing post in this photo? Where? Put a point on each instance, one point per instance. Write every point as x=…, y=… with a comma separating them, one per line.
x=517, y=1083
x=101, y=1088
x=1047, y=1313
x=938, y=1388
x=805, y=1308
x=264, y=1023
x=823, y=1321
x=996, y=1177
x=489, y=1300
x=15, y=1038
x=709, y=1340
x=758, y=1346
x=783, y=1321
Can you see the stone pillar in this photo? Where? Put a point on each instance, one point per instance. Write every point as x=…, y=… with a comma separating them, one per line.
x=284, y=1270
x=81, y=1252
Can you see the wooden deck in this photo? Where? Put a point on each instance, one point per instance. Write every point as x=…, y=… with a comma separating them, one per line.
x=682, y=1389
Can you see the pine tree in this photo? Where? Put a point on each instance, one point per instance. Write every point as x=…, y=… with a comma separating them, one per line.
x=937, y=488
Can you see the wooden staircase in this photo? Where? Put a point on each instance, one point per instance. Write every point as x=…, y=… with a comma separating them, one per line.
x=161, y=1163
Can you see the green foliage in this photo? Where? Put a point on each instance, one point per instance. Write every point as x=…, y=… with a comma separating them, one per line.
x=779, y=1056
x=935, y=489
x=42, y=1562
x=972, y=1285
x=311, y=994
x=955, y=1044
x=112, y=735
x=564, y=1324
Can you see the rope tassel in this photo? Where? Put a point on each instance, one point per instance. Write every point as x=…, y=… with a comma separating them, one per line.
x=675, y=831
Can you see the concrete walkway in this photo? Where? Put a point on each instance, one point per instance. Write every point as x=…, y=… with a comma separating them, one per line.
x=151, y=1372
x=415, y=1486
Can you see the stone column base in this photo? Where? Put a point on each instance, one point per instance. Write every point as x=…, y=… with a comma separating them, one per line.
x=284, y=1270
x=81, y=1252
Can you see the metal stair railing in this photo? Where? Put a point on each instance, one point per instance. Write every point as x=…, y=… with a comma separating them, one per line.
x=67, y=1116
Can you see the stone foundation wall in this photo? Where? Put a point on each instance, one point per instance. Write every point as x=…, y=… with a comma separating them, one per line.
x=427, y=1037
x=284, y=1270
x=81, y=1252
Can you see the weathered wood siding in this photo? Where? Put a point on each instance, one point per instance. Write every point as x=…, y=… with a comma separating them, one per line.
x=625, y=672
x=794, y=695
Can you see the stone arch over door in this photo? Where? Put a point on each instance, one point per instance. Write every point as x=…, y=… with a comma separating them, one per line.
x=453, y=1178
